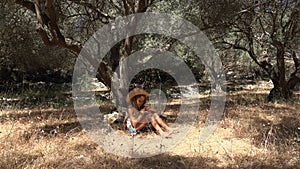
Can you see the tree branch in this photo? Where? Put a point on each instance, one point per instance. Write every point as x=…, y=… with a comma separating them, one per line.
x=251, y=7
x=47, y=20
x=102, y=14
x=283, y=14
x=295, y=76
x=296, y=60
x=53, y=21
x=126, y=7
x=263, y=64
x=27, y=4
x=116, y=7
x=44, y=36
x=41, y=17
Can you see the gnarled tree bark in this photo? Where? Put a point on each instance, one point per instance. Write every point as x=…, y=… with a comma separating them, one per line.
x=50, y=32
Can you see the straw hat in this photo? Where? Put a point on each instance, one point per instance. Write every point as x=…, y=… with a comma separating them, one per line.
x=136, y=92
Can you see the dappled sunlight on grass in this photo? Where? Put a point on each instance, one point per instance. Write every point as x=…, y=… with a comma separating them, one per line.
x=251, y=134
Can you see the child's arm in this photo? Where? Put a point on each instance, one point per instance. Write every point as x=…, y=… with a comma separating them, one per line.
x=141, y=114
x=130, y=115
x=151, y=110
x=132, y=120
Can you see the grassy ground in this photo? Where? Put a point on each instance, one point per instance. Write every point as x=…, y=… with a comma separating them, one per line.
x=251, y=134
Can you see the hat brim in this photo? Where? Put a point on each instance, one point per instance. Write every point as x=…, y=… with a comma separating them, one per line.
x=136, y=92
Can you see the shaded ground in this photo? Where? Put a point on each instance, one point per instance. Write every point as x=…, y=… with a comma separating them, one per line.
x=251, y=134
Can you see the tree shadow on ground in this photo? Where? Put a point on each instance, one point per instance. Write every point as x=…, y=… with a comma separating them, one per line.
x=282, y=133
x=157, y=162
x=56, y=122
x=51, y=131
x=37, y=115
x=174, y=162
x=87, y=156
x=18, y=161
x=178, y=162
x=66, y=120
x=273, y=123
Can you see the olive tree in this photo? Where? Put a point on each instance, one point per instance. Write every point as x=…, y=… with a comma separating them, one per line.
x=23, y=56
x=267, y=30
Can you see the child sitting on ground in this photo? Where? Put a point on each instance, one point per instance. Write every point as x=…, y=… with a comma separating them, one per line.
x=138, y=115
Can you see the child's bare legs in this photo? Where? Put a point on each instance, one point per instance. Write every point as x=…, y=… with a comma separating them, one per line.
x=158, y=124
x=142, y=123
x=139, y=126
x=150, y=118
x=161, y=122
x=157, y=127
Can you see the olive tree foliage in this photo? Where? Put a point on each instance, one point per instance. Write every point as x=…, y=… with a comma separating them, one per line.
x=175, y=8
x=266, y=30
x=69, y=23
x=22, y=53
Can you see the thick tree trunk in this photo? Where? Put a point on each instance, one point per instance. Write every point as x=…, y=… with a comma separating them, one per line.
x=121, y=80
x=295, y=76
x=279, y=93
x=51, y=34
x=284, y=89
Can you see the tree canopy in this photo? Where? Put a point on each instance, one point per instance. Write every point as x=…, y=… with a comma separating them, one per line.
x=266, y=30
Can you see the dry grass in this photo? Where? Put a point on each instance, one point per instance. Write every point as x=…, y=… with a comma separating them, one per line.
x=252, y=134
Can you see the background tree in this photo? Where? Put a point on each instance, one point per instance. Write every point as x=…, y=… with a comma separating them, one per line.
x=23, y=56
x=68, y=24
x=267, y=30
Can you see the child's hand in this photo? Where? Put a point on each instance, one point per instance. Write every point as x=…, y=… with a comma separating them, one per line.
x=146, y=108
